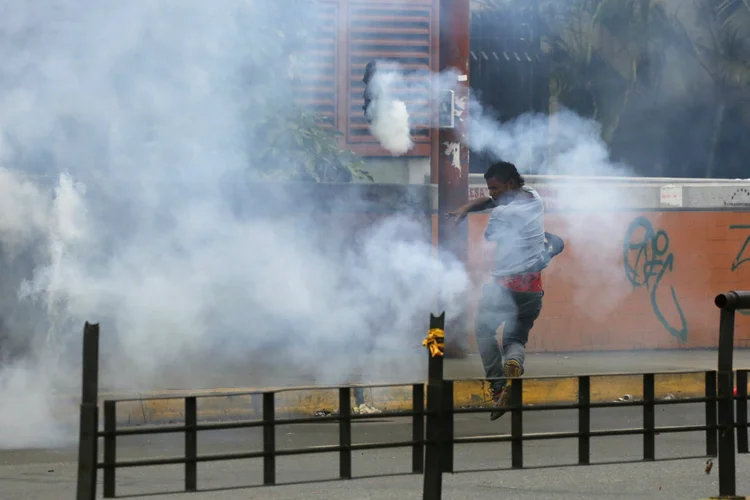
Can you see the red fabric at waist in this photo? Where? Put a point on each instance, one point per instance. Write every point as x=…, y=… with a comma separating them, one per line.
x=529, y=282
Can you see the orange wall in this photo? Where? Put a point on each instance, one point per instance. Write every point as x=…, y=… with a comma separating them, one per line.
x=590, y=301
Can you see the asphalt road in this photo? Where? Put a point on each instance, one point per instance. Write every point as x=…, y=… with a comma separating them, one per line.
x=49, y=474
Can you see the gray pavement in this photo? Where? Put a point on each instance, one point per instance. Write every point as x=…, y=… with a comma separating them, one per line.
x=202, y=374
x=50, y=474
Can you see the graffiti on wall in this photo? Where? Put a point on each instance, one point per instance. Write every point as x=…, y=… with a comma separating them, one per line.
x=744, y=253
x=647, y=260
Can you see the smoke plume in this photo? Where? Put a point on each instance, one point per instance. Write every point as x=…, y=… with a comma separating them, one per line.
x=125, y=142
x=388, y=114
x=567, y=144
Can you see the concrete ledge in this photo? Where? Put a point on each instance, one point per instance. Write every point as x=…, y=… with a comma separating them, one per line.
x=236, y=404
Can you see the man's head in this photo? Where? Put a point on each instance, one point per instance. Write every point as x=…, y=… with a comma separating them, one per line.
x=501, y=178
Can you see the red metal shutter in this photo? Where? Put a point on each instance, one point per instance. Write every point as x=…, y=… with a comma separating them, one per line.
x=319, y=60
x=398, y=31
x=352, y=33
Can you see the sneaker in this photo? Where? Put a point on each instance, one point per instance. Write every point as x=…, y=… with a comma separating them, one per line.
x=501, y=398
x=365, y=408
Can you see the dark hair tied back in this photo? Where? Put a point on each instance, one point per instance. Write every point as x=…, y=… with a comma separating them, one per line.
x=504, y=171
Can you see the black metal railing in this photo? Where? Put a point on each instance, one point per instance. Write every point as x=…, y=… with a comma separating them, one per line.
x=268, y=422
x=432, y=454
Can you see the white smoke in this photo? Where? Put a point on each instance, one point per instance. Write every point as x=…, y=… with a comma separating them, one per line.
x=135, y=114
x=22, y=210
x=124, y=149
x=567, y=144
x=390, y=118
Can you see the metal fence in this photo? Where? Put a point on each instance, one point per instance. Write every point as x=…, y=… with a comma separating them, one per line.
x=433, y=440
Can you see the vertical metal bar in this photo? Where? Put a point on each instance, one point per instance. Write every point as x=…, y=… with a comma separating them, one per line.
x=433, y=477
x=447, y=426
x=584, y=420
x=727, y=471
x=87, y=452
x=741, y=408
x=453, y=154
x=516, y=424
x=711, y=422
x=345, y=433
x=191, y=444
x=417, y=429
x=90, y=385
x=435, y=363
x=110, y=448
x=649, y=417
x=89, y=415
x=269, y=438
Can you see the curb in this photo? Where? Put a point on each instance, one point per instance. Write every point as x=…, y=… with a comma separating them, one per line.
x=240, y=404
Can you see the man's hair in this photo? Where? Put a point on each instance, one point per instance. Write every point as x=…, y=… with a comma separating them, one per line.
x=504, y=171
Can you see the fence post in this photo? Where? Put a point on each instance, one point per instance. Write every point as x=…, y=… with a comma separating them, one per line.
x=711, y=423
x=447, y=427
x=269, y=438
x=584, y=420
x=345, y=433
x=110, y=448
x=649, y=417
x=742, y=444
x=516, y=423
x=89, y=417
x=191, y=443
x=417, y=451
x=435, y=341
x=728, y=303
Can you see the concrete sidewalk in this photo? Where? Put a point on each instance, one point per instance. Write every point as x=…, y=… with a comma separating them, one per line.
x=227, y=397
x=259, y=375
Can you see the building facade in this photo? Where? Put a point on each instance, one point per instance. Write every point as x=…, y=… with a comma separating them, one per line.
x=352, y=33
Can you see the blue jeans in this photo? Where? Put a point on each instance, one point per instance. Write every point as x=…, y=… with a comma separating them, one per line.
x=518, y=311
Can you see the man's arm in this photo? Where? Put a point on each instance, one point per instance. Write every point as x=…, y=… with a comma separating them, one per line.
x=477, y=205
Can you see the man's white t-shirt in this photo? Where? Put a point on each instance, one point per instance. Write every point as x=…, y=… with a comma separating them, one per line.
x=518, y=230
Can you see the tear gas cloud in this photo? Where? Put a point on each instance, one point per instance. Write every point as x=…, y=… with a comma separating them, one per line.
x=569, y=145
x=565, y=144
x=389, y=115
x=123, y=138
x=124, y=130
x=391, y=119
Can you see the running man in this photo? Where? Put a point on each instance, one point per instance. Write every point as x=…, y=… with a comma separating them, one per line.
x=514, y=296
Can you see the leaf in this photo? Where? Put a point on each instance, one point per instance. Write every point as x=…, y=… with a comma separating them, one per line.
x=293, y=141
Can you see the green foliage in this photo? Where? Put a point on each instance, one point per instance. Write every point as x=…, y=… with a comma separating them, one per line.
x=299, y=146
x=573, y=32
x=637, y=34
x=719, y=39
x=608, y=55
x=290, y=141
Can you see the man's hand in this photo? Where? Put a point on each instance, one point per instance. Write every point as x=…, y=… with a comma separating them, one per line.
x=458, y=215
x=477, y=205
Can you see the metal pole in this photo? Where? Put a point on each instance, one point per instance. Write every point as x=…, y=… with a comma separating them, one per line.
x=727, y=472
x=453, y=165
x=89, y=419
x=433, y=478
x=733, y=300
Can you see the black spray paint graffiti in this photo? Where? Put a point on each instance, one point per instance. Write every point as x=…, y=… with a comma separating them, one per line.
x=647, y=260
x=744, y=254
